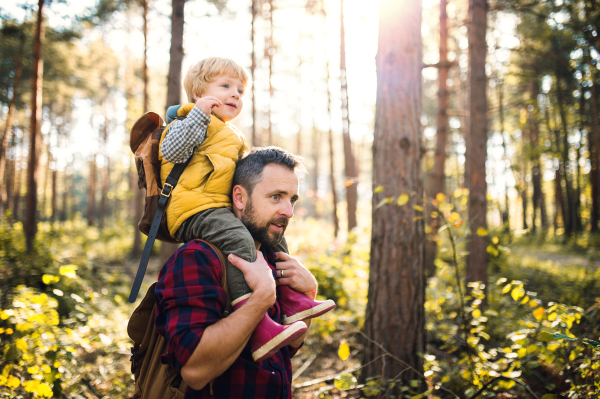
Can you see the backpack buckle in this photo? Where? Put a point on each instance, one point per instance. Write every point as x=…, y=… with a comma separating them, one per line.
x=166, y=194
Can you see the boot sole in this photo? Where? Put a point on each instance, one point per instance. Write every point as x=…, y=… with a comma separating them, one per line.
x=325, y=307
x=288, y=336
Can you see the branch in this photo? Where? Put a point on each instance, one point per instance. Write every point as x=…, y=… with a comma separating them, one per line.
x=441, y=64
x=505, y=378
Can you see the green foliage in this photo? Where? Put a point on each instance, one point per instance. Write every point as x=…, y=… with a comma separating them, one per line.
x=63, y=316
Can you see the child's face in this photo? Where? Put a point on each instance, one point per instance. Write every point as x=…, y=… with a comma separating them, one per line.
x=229, y=91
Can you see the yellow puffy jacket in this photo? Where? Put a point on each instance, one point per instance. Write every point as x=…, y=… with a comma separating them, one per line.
x=206, y=181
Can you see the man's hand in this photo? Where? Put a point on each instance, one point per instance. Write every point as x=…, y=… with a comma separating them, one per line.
x=207, y=103
x=258, y=276
x=295, y=275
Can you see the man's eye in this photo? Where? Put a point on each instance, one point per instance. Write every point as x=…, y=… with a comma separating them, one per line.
x=275, y=197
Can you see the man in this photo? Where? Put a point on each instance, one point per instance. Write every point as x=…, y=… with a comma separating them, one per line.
x=209, y=350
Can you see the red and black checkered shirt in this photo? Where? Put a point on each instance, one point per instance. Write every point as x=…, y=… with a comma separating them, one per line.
x=190, y=298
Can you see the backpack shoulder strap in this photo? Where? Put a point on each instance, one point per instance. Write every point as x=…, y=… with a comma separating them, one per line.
x=165, y=193
x=222, y=259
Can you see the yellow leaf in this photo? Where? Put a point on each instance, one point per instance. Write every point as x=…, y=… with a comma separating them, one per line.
x=434, y=215
x=418, y=208
x=9, y=331
x=384, y=201
x=458, y=223
x=402, y=200
x=533, y=303
x=506, y=288
x=495, y=240
x=427, y=229
x=344, y=350
x=21, y=345
x=457, y=193
x=68, y=271
x=417, y=218
x=49, y=279
x=348, y=183
x=476, y=313
x=538, y=313
x=517, y=293
x=440, y=197
x=13, y=382
x=454, y=217
x=378, y=189
x=482, y=232
x=525, y=300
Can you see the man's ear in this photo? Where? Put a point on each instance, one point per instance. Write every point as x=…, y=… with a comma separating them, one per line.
x=239, y=196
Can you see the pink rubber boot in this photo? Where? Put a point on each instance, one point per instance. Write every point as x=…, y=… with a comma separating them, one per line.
x=269, y=336
x=296, y=306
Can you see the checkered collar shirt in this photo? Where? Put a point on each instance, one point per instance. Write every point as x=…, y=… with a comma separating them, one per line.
x=190, y=298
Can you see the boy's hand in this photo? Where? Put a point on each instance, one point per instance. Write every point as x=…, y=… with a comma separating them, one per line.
x=295, y=275
x=258, y=276
x=207, y=103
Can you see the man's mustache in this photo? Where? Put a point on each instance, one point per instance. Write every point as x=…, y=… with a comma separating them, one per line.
x=283, y=221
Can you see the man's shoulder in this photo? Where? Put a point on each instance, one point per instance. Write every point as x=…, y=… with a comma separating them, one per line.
x=202, y=247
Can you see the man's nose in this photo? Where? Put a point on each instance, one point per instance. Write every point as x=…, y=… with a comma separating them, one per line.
x=287, y=209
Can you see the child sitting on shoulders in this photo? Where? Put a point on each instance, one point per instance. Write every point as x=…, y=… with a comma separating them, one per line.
x=200, y=206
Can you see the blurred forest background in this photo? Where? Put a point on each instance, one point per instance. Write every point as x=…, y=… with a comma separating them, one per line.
x=451, y=207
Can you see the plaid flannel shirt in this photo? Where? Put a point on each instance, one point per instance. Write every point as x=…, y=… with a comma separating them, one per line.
x=185, y=135
x=190, y=298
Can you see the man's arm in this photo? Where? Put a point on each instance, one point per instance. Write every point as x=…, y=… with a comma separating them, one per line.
x=222, y=343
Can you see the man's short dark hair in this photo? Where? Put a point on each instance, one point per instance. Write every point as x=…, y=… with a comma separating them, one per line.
x=248, y=171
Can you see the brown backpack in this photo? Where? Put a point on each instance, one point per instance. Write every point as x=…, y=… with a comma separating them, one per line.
x=154, y=380
x=144, y=141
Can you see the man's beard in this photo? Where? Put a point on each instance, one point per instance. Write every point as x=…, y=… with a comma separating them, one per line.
x=260, y=232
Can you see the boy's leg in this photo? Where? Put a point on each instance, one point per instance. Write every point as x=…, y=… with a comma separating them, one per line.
x=221, y=228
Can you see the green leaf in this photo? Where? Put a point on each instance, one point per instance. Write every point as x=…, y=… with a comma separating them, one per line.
x=482, y=232
x=546, y=337
x=402, y=199
x=561, y=336
x=345, y=381
x=548, y=396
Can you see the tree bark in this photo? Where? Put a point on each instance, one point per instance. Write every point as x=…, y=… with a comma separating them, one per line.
x=65, y=195
x=176, y=53
x=30, y=223
x=506, y=211
x=437, y=177
x=173, y=92
x=349, y=161
x=395, y=311
x=91, y=201
x=595, y=161
x=54, y=196
x=270, y=51
x=477, y=244
x=9, y=125
x=336, y=220
x=254, y=13
x=569, y=222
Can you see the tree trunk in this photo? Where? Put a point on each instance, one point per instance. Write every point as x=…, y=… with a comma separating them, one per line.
x=65, y=195
x=30, y=223
x=173, y=93
x=174, y=79
x=536, y=169
x=104, y=172
x=91, y=201
x=270, y=51
x=315, y=174
x=54, y=195
x=477, y=244
x=570, y=221
x=349, y=162
x=9, y=125
x=506, y=211
x=336, y=221
x=254, y=13
x=395, y=311
x=595, y=162
x=17, y=192
x=437, y=177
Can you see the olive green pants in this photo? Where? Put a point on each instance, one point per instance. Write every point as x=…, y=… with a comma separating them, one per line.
x=223, y=229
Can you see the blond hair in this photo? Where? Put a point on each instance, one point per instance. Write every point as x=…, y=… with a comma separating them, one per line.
x=201, y=73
